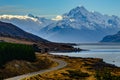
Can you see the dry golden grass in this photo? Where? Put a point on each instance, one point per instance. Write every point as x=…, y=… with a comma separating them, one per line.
x=19, y=67
x=13, y=40
x=80, y=69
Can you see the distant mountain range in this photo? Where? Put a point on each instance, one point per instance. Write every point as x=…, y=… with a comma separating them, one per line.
x=78, y=25
x=28, y=23
x=12, y=31
x=112, y=38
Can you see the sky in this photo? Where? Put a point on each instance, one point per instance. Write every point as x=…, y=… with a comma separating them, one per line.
x=52, y=8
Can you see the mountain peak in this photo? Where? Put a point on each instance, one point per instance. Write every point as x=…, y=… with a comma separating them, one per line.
x=77, y=12
x=31, y=15
x=80, y=8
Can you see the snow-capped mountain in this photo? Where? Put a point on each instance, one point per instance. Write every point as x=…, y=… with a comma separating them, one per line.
x=78, y=25
x=81, y=25
x=29, y=23
x=43, y=20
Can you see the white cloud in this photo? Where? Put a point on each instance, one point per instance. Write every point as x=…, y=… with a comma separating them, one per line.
x=29, y=24
x=2, y=17
x=59, y=17
x=26, y=23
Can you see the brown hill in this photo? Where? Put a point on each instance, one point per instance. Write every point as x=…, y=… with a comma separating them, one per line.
x=12, y=31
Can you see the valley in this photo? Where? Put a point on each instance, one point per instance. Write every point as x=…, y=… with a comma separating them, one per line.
x=59, y=40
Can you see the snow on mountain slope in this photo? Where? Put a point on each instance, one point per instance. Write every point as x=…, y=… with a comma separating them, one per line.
x=80, y=25
x=43, y=20
x=28, y=23
x=81, y=16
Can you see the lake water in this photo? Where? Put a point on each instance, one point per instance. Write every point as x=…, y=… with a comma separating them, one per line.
x=110, y=53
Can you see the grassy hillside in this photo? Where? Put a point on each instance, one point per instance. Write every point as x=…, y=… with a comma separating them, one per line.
x=81, y=69
x=19, y=67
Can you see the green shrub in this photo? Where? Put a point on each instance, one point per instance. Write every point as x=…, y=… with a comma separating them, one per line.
x=10, y=51
x=105, y=75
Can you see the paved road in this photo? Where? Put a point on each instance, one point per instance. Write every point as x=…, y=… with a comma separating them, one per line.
x=61, y=65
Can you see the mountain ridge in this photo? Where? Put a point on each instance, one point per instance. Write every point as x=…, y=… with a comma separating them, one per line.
x=10, y=30
x=83, y=26
x=112, y=38
x=78, y=25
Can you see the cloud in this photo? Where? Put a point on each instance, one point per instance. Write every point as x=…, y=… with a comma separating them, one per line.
x=26, y=23
x=10, y=17
x=59, y=17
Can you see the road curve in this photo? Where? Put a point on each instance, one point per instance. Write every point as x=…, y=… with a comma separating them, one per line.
x=61, y=65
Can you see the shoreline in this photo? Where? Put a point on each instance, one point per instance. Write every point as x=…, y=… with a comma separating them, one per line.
x=76, y=63
x=57, y=54
x=84, y=58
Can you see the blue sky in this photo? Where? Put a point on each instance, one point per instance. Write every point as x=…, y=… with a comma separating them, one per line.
x=51, y=8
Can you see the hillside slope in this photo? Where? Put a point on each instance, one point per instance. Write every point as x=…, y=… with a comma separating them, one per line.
x=10, y=30
x=112, y=38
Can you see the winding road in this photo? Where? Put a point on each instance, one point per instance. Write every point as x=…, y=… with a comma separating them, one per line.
x=61, y=65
